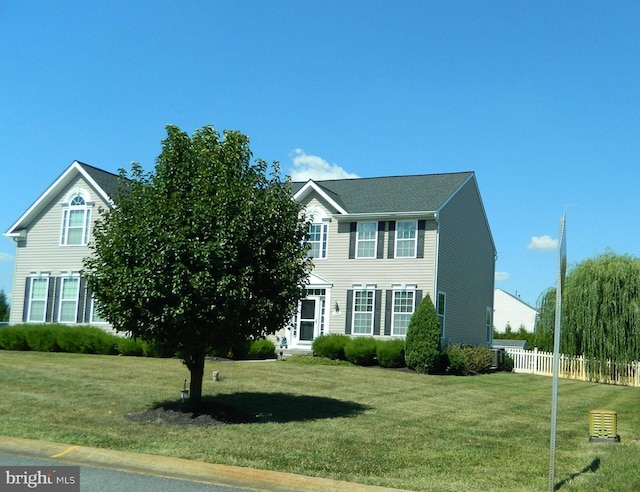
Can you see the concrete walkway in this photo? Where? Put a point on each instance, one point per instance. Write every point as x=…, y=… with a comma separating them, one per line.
x=196, y=471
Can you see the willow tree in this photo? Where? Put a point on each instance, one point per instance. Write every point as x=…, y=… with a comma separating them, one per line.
x=205, y=252
x=601, y=309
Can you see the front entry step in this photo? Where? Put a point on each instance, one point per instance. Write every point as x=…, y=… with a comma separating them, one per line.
x=282, y=353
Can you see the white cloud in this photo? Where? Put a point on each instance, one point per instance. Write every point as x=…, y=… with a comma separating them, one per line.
x=306, y=166
x=501, y=276
x=5, y=257
x=543, y=243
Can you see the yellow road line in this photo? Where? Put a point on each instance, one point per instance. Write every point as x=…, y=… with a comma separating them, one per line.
x=65, y=452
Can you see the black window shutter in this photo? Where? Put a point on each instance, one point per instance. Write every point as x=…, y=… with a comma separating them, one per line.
x=381, y=227
x=387, y=312
x=52, y=300
x=377, y=313
x=421, y=227
x=25, y=307
x=82, y=305
x=392, y=238
x=352, y=240
x=418, y=299
x=349, y=308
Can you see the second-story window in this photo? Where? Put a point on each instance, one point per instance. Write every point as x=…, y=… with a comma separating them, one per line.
x=406, y=238
x=318, y=240
x=366, y=239
x=76, y=218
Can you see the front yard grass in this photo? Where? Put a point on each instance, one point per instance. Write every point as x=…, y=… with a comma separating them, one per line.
x=368, y=425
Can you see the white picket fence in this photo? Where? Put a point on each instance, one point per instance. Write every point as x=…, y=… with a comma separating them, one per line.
x=575, y=367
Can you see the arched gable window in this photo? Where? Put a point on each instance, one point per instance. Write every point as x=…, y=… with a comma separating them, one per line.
x=76, y=219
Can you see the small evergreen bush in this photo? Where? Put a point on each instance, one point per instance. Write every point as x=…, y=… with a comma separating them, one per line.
x=261, y=349
x=330, y=346
x=508, y=363
x=13, y=338
x=456, y=360
x=422, y=345
x=390, y=353
x=479, y=359
x=465, y=360
x=361, y=351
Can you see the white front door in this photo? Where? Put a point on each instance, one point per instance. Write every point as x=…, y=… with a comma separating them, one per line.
x=310, y=322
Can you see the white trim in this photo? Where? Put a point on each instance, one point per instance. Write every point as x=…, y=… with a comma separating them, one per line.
x=16, y=230
x=312, y=186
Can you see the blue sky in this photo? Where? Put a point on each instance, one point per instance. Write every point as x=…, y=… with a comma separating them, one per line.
x=541, y=99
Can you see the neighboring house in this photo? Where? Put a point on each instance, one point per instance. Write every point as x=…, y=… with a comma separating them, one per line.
x=52, y=239
x=510, y=310
x=379, y=246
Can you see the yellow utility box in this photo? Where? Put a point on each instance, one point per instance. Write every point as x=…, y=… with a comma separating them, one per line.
x=603, y=426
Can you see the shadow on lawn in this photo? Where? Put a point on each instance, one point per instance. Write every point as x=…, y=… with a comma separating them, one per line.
x=590, y=468
x=244, y=408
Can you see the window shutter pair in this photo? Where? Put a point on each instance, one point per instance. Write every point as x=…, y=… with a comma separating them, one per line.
x=53, y=300
x=392, y=239
x=377, y=309
x=353, y=234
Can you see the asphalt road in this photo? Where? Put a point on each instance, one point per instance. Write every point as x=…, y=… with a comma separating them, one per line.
x=94, y=479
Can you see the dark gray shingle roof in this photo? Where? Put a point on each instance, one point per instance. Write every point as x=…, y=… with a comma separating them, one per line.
x=109, y=182
x=423, y=192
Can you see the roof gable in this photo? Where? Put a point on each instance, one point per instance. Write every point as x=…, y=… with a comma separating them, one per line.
x=392, y=194
x=104, y=183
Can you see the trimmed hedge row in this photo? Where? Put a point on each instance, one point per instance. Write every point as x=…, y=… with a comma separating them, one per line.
x=362, y=351
x=93, y=340
x=73, y=339
x=463, y=360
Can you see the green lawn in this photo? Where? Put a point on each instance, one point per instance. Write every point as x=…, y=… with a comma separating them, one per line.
x=367, y=425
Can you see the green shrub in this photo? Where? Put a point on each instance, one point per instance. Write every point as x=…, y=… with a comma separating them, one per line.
x=330, y=346
x=464, y=360
x=508, y=363
x=479, y=359
x=422, y=345
x=456, y=360
x=13, y=338
x=41, y=338
x=261, y=349
x=361, y=351
x=130, y=346
x=390, y=353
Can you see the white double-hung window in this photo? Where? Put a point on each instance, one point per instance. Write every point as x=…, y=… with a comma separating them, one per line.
x=366, y=239
x=76, y=219
x=318, y=234
x=363, y=310
x=403, y=306
x=406, y=238
x=38, y=290
x=69, y=298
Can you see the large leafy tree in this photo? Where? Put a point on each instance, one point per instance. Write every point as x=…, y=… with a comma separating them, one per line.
x=601, y=309
x=207, y=251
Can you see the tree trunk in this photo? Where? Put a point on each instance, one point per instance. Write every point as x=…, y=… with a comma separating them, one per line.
x=195, y=364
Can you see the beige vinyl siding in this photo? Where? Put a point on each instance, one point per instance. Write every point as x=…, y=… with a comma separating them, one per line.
x=343, y=272
x=41, y=250
x=466, y=265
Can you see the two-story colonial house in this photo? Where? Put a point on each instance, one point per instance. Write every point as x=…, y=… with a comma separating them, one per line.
x=379, y=245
